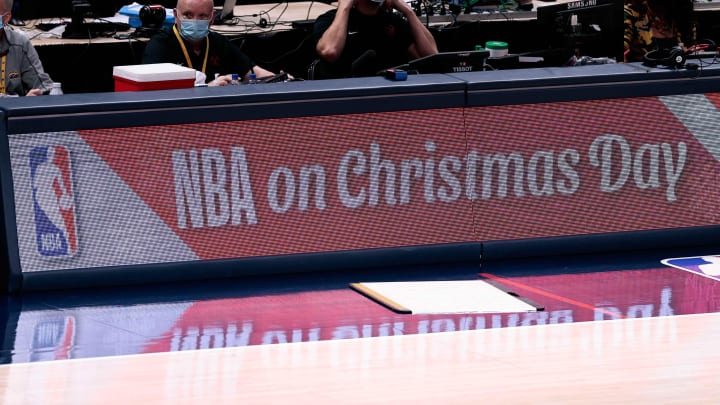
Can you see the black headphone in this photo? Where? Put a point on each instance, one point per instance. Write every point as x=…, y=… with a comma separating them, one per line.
x=671, y=57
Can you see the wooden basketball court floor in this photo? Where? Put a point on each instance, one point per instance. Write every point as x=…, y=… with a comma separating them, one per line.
x=615, y=329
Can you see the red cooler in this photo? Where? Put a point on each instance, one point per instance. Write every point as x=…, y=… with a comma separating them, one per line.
x=156, y=76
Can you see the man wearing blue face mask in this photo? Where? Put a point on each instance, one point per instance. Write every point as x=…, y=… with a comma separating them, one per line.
x=190, y=43
x=22, y=71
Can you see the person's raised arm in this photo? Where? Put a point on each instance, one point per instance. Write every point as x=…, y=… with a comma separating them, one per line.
x=332, y=42
x=259, y=72
x=423, y=41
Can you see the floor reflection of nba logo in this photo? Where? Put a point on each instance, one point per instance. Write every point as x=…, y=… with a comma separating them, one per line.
x=53, y=201
x=53, y=339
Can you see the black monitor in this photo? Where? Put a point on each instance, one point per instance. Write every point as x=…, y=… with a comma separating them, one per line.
x=448, y=62
x=584, y=27
x=40, y=9
x=81, y=10
x=77, y=10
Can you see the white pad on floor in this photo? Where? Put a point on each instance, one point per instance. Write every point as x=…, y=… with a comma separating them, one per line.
x=443, y=297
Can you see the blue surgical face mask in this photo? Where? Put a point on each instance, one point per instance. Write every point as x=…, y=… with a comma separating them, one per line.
x=2, y=19
x=194, y=29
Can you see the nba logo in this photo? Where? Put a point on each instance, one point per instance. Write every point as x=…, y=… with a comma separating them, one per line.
x=53, y=201
x=706, y=266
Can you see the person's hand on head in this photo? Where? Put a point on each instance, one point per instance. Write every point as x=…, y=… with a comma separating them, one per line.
x=346, y=3
x=399, y=5
x=391, y=4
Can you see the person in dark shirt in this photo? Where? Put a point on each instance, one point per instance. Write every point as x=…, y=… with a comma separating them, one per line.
x=362, y=37
x=190, y=43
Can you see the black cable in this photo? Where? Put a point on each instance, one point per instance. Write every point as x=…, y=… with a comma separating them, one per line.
x=307, y=16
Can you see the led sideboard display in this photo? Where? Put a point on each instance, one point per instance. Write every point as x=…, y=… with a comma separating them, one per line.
x=334, y=183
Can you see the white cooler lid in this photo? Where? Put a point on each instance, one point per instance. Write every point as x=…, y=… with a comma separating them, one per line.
x=154, y=72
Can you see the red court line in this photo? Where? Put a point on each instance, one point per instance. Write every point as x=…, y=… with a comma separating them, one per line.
x=551, y=295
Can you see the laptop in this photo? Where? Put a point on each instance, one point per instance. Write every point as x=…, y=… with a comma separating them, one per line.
x=448, y=62
x=227, y=10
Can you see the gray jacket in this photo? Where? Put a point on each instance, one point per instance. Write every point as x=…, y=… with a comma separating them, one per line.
x=23, y=69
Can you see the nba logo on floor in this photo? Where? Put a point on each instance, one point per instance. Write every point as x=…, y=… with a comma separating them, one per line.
x=53, y=201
